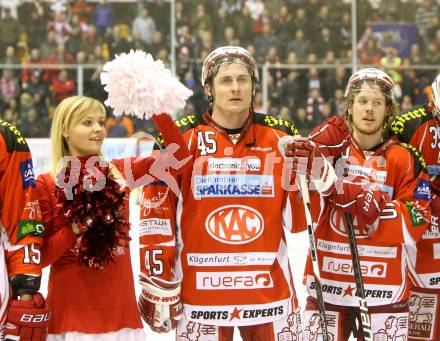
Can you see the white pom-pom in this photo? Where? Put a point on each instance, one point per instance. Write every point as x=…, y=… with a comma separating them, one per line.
x=140, y=86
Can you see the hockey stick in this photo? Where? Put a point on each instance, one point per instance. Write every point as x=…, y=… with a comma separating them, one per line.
x=360, y=291
x=314, y=255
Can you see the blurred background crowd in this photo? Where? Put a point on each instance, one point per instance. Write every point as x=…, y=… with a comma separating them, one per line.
x=306, y=46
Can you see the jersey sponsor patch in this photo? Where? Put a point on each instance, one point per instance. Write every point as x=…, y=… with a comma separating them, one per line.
x=422, y=312
x=238, y=315
x=430, y=280
x=416, y=218
x=233, y=185
x=345, y=267
x=27, y=174
x=231, y=259
x=235, y=224
x=422, y=190
x=29, y=227
x=436, y=250
x=155, y=226
x=234, y=164
x=234, y=280
x=344, y=293
x=363, y=250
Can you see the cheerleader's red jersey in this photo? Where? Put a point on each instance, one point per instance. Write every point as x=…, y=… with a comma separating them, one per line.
x=20, y=218
x=420, y=129
x=226, y=227
x=83, y=299
x=399, y=171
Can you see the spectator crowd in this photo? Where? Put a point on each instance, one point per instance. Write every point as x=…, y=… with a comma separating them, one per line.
x=312, y=33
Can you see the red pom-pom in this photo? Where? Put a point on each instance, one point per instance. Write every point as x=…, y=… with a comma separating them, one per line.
x=97, y=212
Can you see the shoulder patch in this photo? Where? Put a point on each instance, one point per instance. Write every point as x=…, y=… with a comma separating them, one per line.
x=185, y=123
x=276, y=123
x=189, y=121
x=406, y=123
x=419, y=161
x=13, y=138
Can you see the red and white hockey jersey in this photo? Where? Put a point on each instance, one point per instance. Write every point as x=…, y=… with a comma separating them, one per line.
x=420, y=129
x=226, y=226
x=400, y=173
x=21, y=227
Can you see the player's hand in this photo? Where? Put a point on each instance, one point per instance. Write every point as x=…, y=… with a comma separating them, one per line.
x=332, y=136
x=27, y=320
x=305, y=156
x=308, y=160
x=172, y=134
x=159, y=303
x=365, y=201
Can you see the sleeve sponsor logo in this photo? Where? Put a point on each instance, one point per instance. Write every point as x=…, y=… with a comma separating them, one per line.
x=233, y=185
x=231, y=259
x=27, y=174
x=242, y=280
x=416, y=218
x=234, y=164
x=29, y=227
x=155, y=226
x=422, y=190
x=345, y=267
x=235, y=224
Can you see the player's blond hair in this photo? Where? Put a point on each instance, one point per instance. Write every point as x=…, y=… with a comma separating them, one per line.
x=67, y=113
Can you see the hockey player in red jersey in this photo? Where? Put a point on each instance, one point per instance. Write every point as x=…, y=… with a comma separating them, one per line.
x=420, y=127
x=222, y=238
x=383, y=186
x=88, y=303
x=23, y=313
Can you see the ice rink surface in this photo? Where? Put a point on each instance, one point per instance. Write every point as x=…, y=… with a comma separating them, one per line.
x=297, y=254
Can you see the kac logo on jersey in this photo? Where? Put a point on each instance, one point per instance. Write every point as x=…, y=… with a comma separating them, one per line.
x=235, y=224
x=27, y=174
x=422, y=191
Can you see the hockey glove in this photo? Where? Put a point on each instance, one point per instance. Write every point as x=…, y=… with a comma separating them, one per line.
x=365, y=202
x=27, y=320
x=172, y=134
x=308, y=160
x=159, y=303
x=332, y=137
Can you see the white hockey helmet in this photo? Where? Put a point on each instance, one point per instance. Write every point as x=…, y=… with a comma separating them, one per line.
x=376, y=76
x=227, y=55
x=436, y=97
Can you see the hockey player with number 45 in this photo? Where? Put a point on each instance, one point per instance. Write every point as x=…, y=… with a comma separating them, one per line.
x=380, y=197
x=23, y=312
x=420, y=127
x=226, y=226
